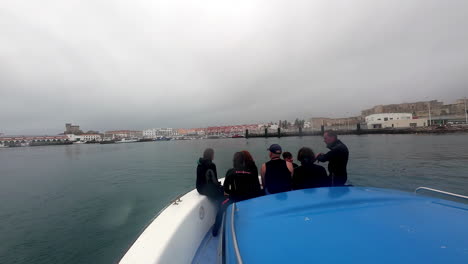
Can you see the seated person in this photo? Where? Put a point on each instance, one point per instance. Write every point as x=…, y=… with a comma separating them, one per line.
x=250, y=163
x=240, y=184
x=241, y=181
x=309, y=175
x=287, y=156
x=207, y=177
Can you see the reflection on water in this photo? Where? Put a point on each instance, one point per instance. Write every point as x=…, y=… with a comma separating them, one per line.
x=86, y=203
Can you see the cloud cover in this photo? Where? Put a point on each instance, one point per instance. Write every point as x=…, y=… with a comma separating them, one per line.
x=107, y=64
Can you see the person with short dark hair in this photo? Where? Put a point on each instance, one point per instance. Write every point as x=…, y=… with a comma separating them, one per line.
x=337, y=158
x=276, y=173
x=287, y=156
x=207, y=177
x=309, y=175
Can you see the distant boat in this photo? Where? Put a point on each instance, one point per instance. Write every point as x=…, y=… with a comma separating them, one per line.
x=145, y=140
x=107, y=142
x=162, y=139
x=237, y=136
x=123, y=140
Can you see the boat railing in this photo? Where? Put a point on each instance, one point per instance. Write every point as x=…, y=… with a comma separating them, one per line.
x=234, y=235
x=441, y=192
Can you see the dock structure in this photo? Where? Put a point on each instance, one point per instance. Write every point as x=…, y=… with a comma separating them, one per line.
x=359, y=131
x=18, y=141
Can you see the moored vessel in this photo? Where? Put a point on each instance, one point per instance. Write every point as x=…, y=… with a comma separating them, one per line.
x=124, y=140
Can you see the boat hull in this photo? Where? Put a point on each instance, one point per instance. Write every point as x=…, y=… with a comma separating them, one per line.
x=271, y=229
x=176, y=233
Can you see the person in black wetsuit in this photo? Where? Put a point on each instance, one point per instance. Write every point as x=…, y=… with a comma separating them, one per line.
x=207, y=177
x=337, y=158
x=241, y=183
x=250, y=163
x=276, y=173
x=309, y=175
x=287, y=156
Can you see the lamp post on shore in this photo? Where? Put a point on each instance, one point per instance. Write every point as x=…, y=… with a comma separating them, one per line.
x=429, y=108
x=347, y=121
x=466, y=113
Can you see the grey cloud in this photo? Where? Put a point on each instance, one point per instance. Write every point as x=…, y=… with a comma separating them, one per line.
x=138, y=64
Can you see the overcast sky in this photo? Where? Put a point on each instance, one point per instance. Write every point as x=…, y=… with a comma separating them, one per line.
x=114, y=64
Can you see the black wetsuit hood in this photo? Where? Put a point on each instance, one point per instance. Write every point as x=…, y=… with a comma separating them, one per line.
x=204, y=162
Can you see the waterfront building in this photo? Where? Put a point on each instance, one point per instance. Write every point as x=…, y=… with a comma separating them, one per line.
x=397, y=120
x=430, y=109
x=182, y=131
x=274, y=127
x=119, y=134
x=194, y=132
x=230, y=130
x=160, y=132
x=334, y=123
x=448, y=120
x=72, y=129
x=405, y=123
x=84, y=137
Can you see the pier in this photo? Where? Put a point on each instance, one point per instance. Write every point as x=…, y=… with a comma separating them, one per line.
x=358, y=131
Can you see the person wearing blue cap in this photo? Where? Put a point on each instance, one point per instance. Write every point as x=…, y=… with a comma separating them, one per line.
x=276, y=173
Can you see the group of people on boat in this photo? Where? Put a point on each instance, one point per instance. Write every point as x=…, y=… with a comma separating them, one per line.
x=277, y=175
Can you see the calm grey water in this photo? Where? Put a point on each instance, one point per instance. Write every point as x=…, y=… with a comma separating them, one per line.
x=88, y=203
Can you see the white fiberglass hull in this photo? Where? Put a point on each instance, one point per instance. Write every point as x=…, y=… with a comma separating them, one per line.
x=176, y=233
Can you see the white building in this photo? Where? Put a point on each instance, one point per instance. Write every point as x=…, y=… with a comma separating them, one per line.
x=394, y=120
x=422, y=122
x=90, y=137
x=84, y=137
x=160, y=132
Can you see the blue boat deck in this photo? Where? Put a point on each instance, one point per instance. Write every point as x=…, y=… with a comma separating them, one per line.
x=207, y=253
x=347, y=224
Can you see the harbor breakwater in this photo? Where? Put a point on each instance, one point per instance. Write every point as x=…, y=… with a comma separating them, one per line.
x=420, y=130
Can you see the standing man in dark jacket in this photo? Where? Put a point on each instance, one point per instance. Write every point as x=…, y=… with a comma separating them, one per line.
x=207, y=177
x=337, y=158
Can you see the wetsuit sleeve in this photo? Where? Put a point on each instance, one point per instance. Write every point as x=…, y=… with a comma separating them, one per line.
x=255, y=171
x=295, y=179
x=327, y=157
x=215, y=173
x=200, y=181
x=257, y=182
x=227, y=182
